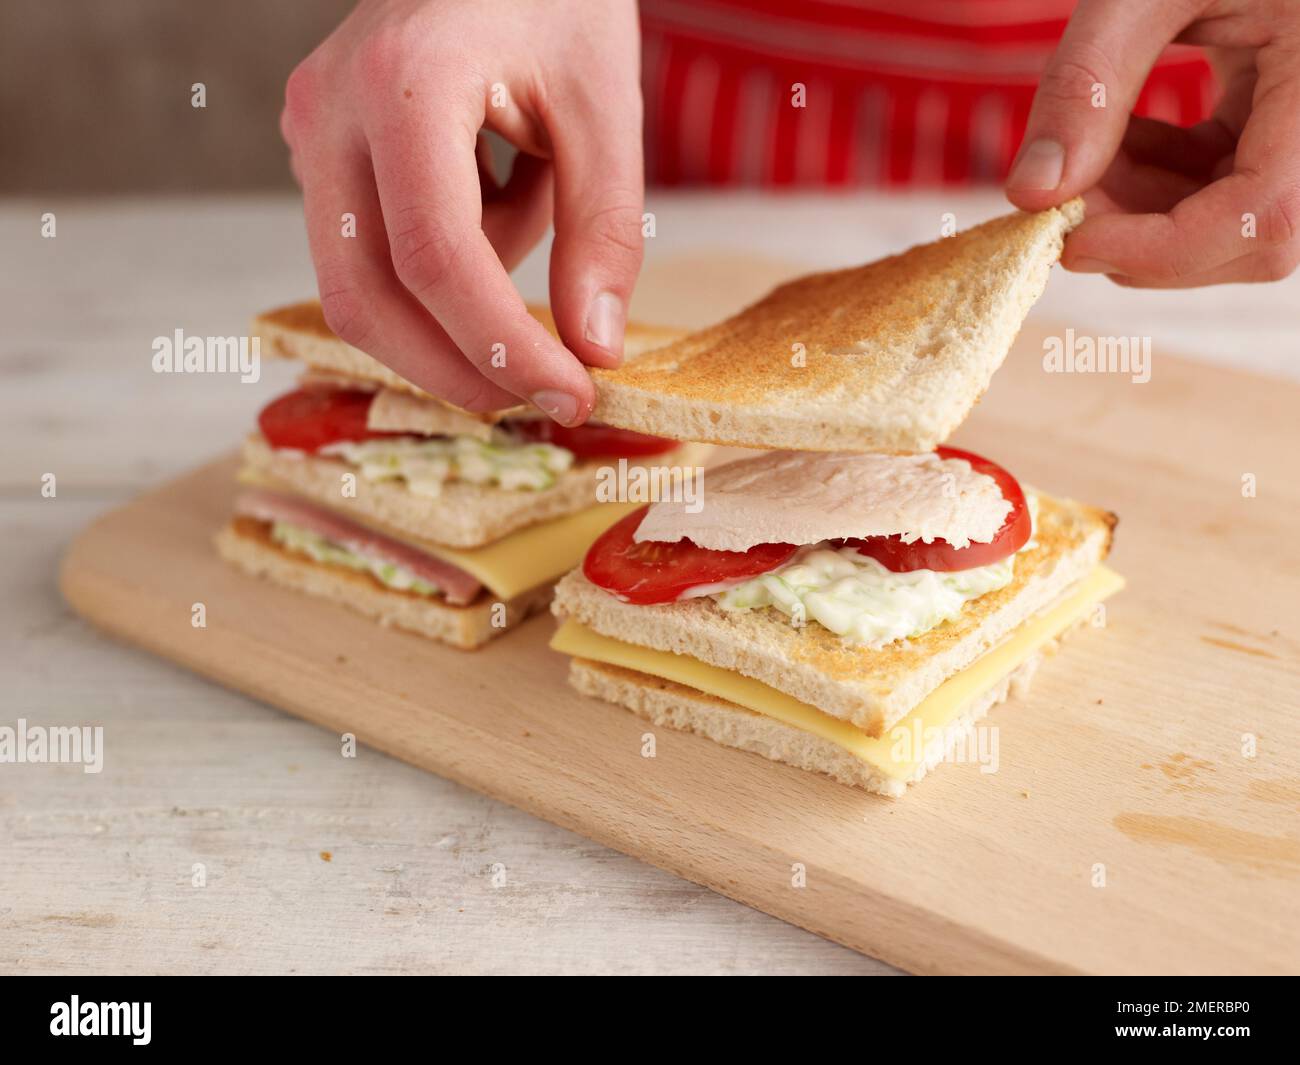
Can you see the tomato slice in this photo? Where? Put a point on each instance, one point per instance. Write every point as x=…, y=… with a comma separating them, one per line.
x=591, y=440
x=654, y=572
x=898, y=557
x=310, y=418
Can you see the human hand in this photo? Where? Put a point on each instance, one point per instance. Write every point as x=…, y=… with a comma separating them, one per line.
x=383, y=122
x=1171, y=207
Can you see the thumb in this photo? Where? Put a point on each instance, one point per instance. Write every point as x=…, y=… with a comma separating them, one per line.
x=1085, y=96
x=599, y=197
x=598, y=245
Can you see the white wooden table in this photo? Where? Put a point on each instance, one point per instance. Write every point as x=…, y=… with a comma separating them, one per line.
x=314, y=863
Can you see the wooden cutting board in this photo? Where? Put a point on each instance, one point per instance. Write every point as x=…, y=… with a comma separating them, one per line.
x=1125, y=830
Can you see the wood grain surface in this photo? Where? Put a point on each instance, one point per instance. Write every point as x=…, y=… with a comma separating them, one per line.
x=1125, y=830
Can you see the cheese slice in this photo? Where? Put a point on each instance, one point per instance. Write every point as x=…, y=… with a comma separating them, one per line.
x=535, y=555
x=512, y=565
x=886, y=754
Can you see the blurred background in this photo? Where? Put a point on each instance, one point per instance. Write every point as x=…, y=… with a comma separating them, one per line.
x=95, y=94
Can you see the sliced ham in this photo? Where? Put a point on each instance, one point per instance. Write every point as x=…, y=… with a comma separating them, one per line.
x=457, y=586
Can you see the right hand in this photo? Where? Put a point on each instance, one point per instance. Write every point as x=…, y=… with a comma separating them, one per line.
x=383, y=122
x=1170, y=207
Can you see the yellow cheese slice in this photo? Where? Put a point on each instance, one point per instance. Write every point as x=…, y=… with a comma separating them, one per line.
x=512, y=565
x=535, y=555
x=895, y=753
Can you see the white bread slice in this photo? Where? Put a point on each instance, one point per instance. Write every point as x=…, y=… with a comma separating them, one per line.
x=247, y=544
x=298, y=331
x=676, y=706
x=890, y=356
x=465, y=515
x=872, y=689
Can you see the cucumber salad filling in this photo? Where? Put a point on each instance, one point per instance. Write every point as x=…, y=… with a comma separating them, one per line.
x=319, y=549
x=860, y=600
x=426, y=464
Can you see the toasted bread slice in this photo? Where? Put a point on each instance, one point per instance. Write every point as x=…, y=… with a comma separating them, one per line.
x=871, y=689
x=890, y=356
x=465, y=515
x=676, y=706
x=247, y=544
x=298, y=331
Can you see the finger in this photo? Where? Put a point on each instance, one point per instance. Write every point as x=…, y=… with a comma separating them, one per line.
x=1194, y=151
x=516, y=215
x=295, y=169
x=1098, y=201
x=1235, y=218
x=1254, y=210
x=487, y=167
x=1142, y=187
x=1239, y=77
x=1250, y=269
x=1082, y=104
x=286, y=133
x=595, y=133
x=360, y=295
x=428, y=185
x=286, y=129
x=1204, y=150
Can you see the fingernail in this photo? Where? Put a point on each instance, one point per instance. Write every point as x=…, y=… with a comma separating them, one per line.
x=558, y=405
x=1039, y=166
x=605, y=323
x=1091, y=266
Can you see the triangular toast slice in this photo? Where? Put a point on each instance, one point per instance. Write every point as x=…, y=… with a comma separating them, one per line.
x=890, y=356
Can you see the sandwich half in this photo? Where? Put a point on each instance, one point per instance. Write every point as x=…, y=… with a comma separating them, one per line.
x=855, y=603
x=361, y=489
x=849, y=614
